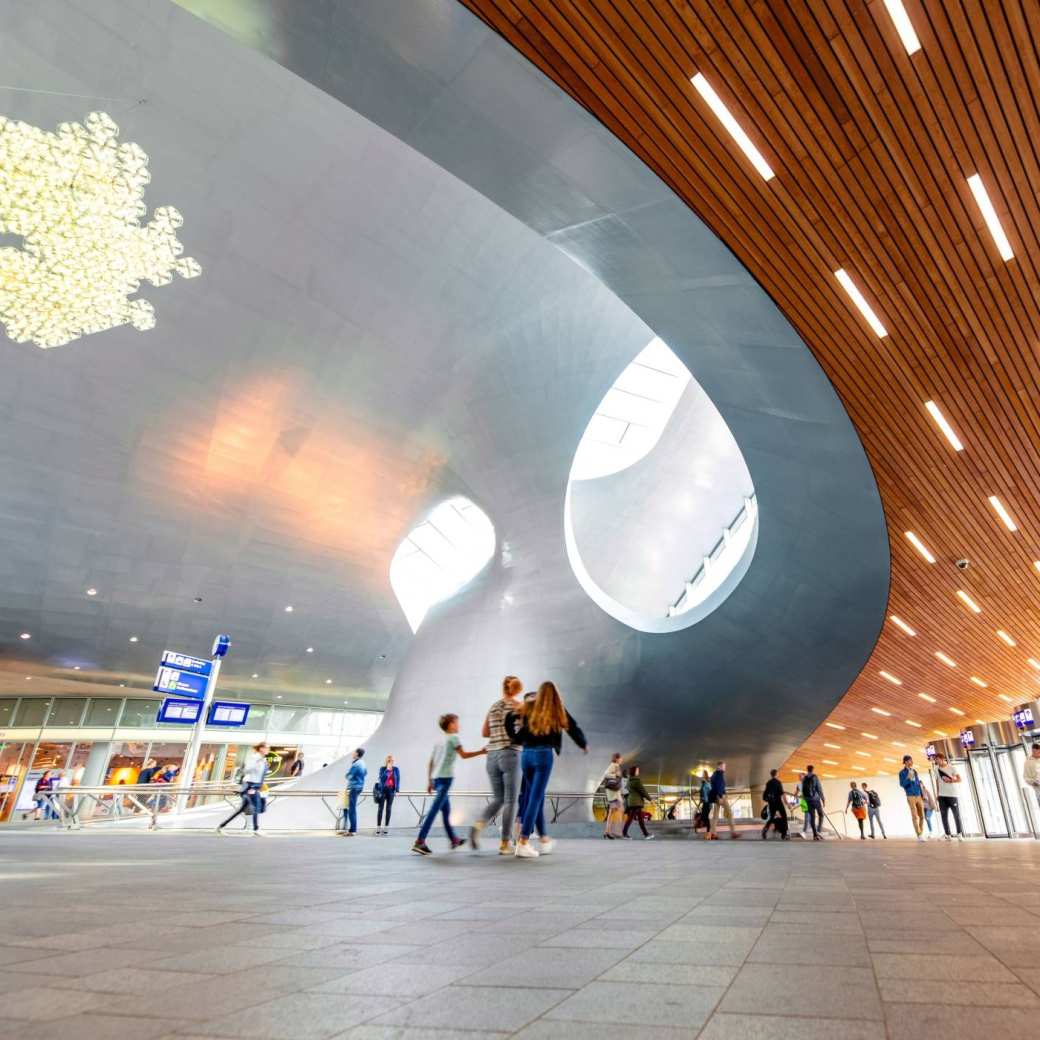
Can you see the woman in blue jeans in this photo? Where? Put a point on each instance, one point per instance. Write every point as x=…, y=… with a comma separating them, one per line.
x=252, y=783
x=538, y=727
x=355, y=785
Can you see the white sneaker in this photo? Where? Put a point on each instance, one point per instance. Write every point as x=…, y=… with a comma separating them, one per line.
x=524, y=851
x=921, y=837
x=650, y=837
x=545, y=846
x=258, y=834
x=946, y=837
x=960, y=837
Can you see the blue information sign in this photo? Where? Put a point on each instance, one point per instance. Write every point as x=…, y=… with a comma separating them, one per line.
x=187, y=684
x=184, y=663
x=967, y=738
x=175, y=710
x=228, y=713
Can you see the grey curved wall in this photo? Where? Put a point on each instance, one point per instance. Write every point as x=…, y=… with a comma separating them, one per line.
x=753, y=678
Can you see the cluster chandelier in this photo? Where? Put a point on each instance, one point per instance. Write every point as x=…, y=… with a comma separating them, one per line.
x=76, y=199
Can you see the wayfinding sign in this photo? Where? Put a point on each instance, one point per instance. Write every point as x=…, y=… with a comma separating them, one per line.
x=176, y=710
x=186, y=684
x=185, y=663
x=228, y=713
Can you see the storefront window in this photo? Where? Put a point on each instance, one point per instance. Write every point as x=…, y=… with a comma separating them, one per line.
x=32, y=711
x=13, y=760
x=7, y=707
x=66, y=711
x=103, y=711
x=140, y=714
x=126, y=761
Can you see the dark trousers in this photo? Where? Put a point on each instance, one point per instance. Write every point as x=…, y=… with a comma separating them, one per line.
x=635, y=814
x=946, y=805
x=441, y=805
x=386, y=804
x=250, y=804
x=815, y=817
x=777, y=819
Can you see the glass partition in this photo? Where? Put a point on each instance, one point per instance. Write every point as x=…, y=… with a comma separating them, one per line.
x=140, y=714
x=7, y=709
x=32, y=711
x=13, y=761
x=66, y=711
x=103, y=711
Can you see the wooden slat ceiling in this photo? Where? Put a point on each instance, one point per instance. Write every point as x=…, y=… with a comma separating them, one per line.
x=872, y=148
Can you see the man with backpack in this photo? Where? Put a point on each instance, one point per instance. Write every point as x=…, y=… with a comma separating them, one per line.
x=874, y=810
x=812, y=792
x=857, y=802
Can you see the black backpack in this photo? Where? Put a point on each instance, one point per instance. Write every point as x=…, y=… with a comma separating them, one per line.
x=874, y=799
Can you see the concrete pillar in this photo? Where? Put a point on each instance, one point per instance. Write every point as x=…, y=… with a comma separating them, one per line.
x=94, y=774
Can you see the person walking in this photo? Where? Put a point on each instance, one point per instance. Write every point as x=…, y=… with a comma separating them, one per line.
x=613, y=782
x=910, y=782
x=720, y=803
x=1031, y=772
x=773, y=796
x=948, y=784
x=503, y=768
x=252, y=781
x=389, y=784
x=539, y=727
x=440, y=774
x=929, y=803
x=874, y=809
x=703, y=817
x=41, y=799
x=857, y=802
x=812, y=793
x=355, y=785
x=637, y=797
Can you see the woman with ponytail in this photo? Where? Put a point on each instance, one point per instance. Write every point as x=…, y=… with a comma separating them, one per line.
x=503, y=767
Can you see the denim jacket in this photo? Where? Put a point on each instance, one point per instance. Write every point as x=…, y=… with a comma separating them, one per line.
x=910, y=782
x=356, y=776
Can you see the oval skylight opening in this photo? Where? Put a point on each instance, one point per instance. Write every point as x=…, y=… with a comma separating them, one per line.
x=440, y=555
x=660, y=516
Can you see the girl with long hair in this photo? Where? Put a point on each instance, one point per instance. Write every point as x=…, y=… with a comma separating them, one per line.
x=538, y=727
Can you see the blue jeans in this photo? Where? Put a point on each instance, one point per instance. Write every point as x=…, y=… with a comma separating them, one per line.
x=441, y=787
x=351, y=810
x=536, y=763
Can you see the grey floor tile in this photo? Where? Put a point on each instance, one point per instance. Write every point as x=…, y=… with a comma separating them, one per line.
x=476, y=1007
x=300, y=1016
x=779, y=944
x=956, y=1022
x=84, y=962
x=124, y=981
x=396, y=980
x=370, y=1032
x=976, y=994
x=593, y=939
x=344, y=956
x=1016, y=946
x=632, y=970
x=548, y=968
x=17, y=955
x=774, y=1027
x=223, y=960
x=956, y=944
x=547, y=1029
x=210, y=999
x=657, y=952
x=38, y=1005
x=940, y=966
x=814, y=991
x=94, y=1026
x=648, y=1004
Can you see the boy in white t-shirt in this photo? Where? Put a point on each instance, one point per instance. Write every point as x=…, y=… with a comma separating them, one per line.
x=440, y=776
x=948, y=781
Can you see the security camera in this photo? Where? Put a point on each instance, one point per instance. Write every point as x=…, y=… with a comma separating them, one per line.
x=963, y=564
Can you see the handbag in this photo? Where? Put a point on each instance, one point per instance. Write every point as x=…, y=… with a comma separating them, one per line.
x=765, y=812
x=377, y=792
x=613, y=784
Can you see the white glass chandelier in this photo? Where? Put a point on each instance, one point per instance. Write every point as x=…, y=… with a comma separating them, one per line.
x=76, y=199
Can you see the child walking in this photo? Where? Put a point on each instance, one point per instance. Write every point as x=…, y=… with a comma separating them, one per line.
x=441, y=775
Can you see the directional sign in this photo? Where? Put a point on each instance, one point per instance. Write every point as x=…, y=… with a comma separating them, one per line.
x=228, y=713
x=967, y=738
x=175, y=710
x=1023, y=718
x=187, y=684
x=184, y=663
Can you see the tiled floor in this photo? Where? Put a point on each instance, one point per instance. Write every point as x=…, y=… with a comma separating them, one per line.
x=157, y=935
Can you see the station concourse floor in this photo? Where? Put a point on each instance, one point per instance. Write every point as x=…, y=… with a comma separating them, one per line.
x=147, y=936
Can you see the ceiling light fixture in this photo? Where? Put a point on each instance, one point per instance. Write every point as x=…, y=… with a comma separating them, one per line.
x=733, y=128
x=943, y=424
x=310, y=649
x=133, y=639
x=887, y=758
x=869, y=736
x=91, y=591
x=861, y=304
x=881, y=711
x=255, y=675
x=956, y=711
x=863, y=754
x=896, y=743
x=833, y=747
x=969, y=602
x=833, y=725
x=76, y=198
x=927, y=697
x=25, y=635
x=940, y=732
x=829, y=762
x=859, y=769
x=919, y=546
x=75, y=667
x=978, y=682
x=1004, y=515
x=989, y=215
x=910, y=722
x=890, y=677
x=1033, y=663
x=900, y=623
x=289, y=609
x=905, y=28
x=1005, y=697
x=946, y=659
x=328, y=682
x=1005, y=638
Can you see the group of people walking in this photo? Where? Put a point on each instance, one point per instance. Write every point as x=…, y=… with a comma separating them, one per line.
x=627, y=799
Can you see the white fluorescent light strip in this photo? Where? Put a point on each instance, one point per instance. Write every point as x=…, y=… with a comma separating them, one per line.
x=989, y=214
x=1004, y=515
x=1005, y=697
x=1004, y=637
x=1033, y=663
x=940, y=732
x=905, y=28
x=971, y=604
x=900, y=623
x=919, y=546
x=861, y=304
x=890, y=677
x=896, y=743
x=859, y=769
x=978, y=682
x=1036, y=564
x=956, y=711
x=927, y=697
x=863, y=754
x=869, y=736
x=910, y=722
x=947, y=429
x=829, y=762
x=733, y=128
x=833, y=747
x=833, y=725
x=946, y=660
x=881, y=711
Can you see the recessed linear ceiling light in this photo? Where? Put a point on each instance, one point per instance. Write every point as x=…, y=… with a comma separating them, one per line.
x=860, y=301
x=1005, y=697
x=980, y=722
x=733, y=128
x=75, y=667
x=1001, y=511
x=881, y=711
x=1004, y=637
x=919, y=546
x=978, y=682
x=890, y=677
x=940, y=732
x=910, y=722
x=1033, y=663
x=946, y=660
x=969, y=602
x=859, y=769
x=869, y=736
x=1036, y=564
x=905, y=28
x=863, y=754
x=833, y=725
x=833, y=747
x=989, y=215
x=887, y=758
x=927, y=697
x=900, y=623
x=956, y=711
x=943, y=424
x=896, y=743
x=829, y=762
